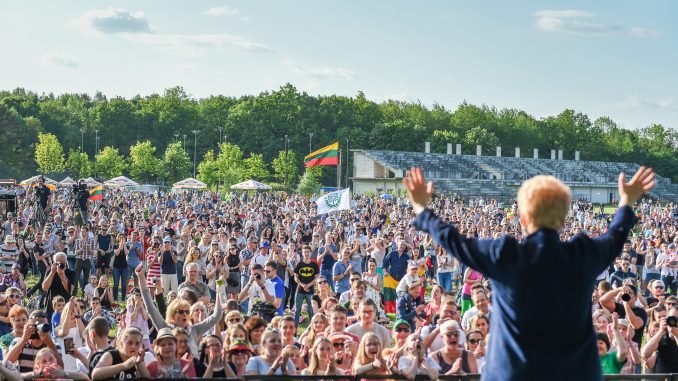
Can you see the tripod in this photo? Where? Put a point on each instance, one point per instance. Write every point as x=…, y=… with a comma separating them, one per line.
x=37, y=217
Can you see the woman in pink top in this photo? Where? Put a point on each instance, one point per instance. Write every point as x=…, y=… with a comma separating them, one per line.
x=471, y=277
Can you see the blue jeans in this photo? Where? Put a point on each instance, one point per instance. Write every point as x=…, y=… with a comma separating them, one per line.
x=298, y=302
x=245, y=303
x=445, y=281
x=120, y=278
x=328, y=274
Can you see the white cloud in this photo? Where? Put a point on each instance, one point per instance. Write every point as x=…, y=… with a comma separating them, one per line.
x=245, y=18
x=114, y=20
x=322, y=72
x=636, y=103
x=62, y=61
x=198, y=44
x=221, y=11
x=561, y=14
x=569, y=21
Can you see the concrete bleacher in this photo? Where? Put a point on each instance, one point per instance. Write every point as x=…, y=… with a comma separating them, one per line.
x=498, y=177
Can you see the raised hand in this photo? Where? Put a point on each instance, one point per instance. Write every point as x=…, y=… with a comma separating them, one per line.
x=418, y=190
x=641, y=182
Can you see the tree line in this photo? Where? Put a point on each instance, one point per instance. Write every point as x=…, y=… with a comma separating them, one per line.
x=279, y=123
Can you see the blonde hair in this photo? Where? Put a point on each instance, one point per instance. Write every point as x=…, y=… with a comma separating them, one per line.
x=314, y=362
x=361, y=358
x=129, y=331
x=266, y=336
x=545, y=200
x=177, y=304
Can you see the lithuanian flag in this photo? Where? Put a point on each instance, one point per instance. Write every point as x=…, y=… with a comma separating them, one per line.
x=96, y=193
x=328, y=155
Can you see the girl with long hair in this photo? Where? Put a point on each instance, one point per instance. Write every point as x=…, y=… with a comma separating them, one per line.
x=124, y=362
x=368, y=360
x=167, y=364
x=321, y=360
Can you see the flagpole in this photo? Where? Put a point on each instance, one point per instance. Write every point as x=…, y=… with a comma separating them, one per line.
x=339, y=172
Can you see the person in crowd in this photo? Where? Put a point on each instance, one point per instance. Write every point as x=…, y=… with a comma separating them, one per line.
x=660, y=352
x=321, y=361
x=137, y=316
x=120, y=267
x=543, y=206
x=59, y=281
x=410, y=306
x=238, y=355
x=415, y=362
x=481, y=304
x=395, y=268
x=452, y=359
x=273, y=360
x=213, y=358
x=612, y=362
x=48, y=368
x=36, y=336
x=18, y=317
x=124, y=362
x=194, y=283
x=178, y=314
x=367, y=323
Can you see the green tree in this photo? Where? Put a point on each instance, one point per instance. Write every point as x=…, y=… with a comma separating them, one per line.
x=208, y=169
x=142, y=162
x=109, y=163
x=256, y=168
x=176, y=163
x=79, y=164
x=286, y=168
x=49, y=154
x=310, y=181
x=230, y=164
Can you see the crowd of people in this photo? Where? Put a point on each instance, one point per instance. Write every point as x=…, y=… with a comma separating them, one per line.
x=213, y=286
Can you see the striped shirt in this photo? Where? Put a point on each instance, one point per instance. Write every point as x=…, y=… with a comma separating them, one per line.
x=11, y=256
x=153, y=269
x=27, y=355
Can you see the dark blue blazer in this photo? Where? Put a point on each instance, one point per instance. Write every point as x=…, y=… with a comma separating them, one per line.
x=542, y=326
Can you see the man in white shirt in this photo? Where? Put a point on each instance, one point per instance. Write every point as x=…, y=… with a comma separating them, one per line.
x=481, y=304
x=257, y=288
x=367, y=323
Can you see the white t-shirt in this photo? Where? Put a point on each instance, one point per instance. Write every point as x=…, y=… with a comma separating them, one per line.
x=382, y=333
x=406, y=282
x=255, y=293
x=404, y=363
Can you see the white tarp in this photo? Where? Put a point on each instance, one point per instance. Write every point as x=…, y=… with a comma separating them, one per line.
x=251, y=185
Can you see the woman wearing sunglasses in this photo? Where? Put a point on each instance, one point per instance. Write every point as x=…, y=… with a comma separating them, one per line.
x=451, y=359
x=475, y=343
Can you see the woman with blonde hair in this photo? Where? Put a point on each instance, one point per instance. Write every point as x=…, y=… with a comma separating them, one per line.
x=71, y=328
x=273, y=360
x=415, y=362
x=319, y=323
x=368, y=360
x=233, y=332
x=177, y=314
x=46, y=368
x=124, y=362
x=194, y=256
x=480, y=322
x=321, y=361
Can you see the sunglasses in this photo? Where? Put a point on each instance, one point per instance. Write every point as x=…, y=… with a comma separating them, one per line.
x=234, y=320
x=452, y=333
x=402, y=330
x=183, y=312
x=268, y=271
x=354, y=279
x=670, y=304
x=658, y=287
x=14, y=296
x=338, y=345
x=322, y=281
x=474, y=341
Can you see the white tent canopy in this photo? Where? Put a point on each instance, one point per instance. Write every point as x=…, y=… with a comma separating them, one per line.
x=189, y=183
x=67, y=182
x=120, y=181
x=34, y=180
x=251, y=185
x=91, y=182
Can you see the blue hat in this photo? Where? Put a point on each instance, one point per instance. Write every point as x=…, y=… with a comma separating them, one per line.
x=265, y=245
x=167, y=239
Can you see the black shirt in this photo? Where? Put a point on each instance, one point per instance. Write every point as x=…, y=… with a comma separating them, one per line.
x=640, y=312
x=306, y=273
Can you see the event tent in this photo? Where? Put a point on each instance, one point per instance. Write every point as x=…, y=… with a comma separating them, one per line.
x=67, y=182
x=251, y=185
x=120, y=181
x=189, y=183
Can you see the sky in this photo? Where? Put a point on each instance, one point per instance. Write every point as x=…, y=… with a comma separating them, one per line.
x=613, y=58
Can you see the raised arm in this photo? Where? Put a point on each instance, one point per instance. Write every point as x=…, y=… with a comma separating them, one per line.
x=156, y=318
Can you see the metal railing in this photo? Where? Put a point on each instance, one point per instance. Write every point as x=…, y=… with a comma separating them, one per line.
x=466, y=377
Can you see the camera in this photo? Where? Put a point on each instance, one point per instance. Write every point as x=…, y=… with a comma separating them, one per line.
x=62, y=266
x=257, y=276
x=626, y=297
x=44, y=328
x=672, y=321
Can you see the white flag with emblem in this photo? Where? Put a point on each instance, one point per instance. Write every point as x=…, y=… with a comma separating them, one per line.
x=339, y=200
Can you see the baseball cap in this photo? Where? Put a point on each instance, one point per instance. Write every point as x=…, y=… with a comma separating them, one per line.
x=239, y=345
x=167, y=239
x=400, y=322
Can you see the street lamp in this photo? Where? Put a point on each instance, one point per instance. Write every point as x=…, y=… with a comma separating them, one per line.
x=310, y=136
x=195, y=148
x=82, y=139
x=176, y=137
x=286, y=143
x=96, y=134
x=184, y=142
x=347, y=157
x=221, y=129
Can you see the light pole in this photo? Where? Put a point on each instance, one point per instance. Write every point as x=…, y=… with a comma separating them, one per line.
x=184, y=142
x=286, y=143
x=195, y=148
x=176, y=138
x=221, y=129
x=96, y=134
x=347, y=157
x=82, y=139
x=310, y=137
